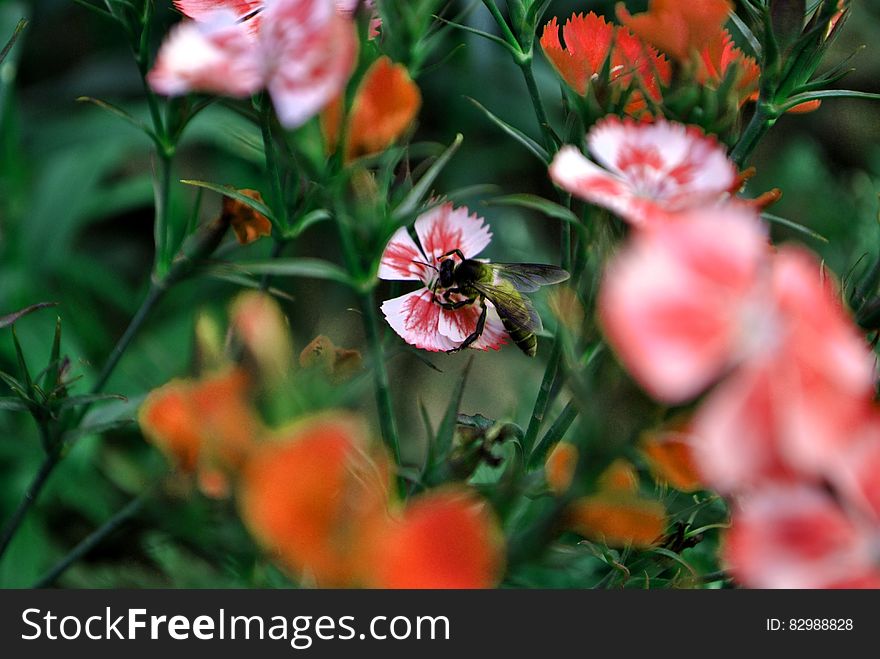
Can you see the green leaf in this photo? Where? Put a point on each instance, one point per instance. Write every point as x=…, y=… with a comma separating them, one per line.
x=88, y=399
x=534, y=202
x=797, y=99
x=95, y=429
x=533, y=147
x=16, y=33
x=412, y=200
x=124, y=115
x=443, y=439
x=12, y=404
x=775, y=219
x=50, y=378
x=309, y=268
x=6, y=321
x=479, y=33
x=307, y=221
x=22, y=362
x=233, y=193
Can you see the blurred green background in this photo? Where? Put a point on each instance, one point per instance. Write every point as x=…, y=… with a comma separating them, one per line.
x=76, y=211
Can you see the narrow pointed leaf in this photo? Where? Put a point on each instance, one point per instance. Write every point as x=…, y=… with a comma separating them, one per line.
x=775, y=219
x=233, y=193
x=88, y=399
x=415, y=196
x=16, y=33
x=446, y=431
x=117, y=111
x=6, y=321
x=309, y=268
x=536, y=203
x=531, y=145
x=12, y=404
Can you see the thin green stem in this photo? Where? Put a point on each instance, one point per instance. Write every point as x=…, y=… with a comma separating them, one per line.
x=277, y=201
x=154, y=294
x=92, y=540
x=387, y=421
x=506, y=32
x=30, y=496
x=525, y=66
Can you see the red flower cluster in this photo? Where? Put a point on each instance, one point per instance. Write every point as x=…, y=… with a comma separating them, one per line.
x=593, y=46
x=698, y=300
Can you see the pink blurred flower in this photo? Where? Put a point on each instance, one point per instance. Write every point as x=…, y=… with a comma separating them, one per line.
x=416, y=316
x=801, y=401
x=350, y=6
x=681, y=304
x=646, y=171
x=303, y=53
x=796, y=536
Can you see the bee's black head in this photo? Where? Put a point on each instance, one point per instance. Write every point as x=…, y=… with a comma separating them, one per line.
x=447, y=269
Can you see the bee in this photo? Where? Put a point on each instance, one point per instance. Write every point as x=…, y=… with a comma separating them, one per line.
x=502, y=284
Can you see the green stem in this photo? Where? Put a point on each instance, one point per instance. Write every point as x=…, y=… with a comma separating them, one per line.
x=387, y=421
x=93, y=539
x=525, y=66
x=30, y=496
x=760, y=123
x=277, y=201
x=154, y=294
x=506, y=32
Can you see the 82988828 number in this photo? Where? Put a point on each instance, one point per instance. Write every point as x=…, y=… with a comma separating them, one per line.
x=820, y=624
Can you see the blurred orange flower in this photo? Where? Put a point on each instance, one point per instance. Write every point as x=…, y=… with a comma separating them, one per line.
x=617, y=514
x=205, y=426
x=385, y=106
x=678, y=28
x=247, y=223
x=338, y=364
x=671, y=459
x=315, y=497
x=560, y=466
x=445, y=539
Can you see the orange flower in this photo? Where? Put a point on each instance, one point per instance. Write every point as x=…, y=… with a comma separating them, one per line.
x=247, y=223
x=589, y=42
x=205, y=426
x=560, y=466
x=316, y=498
x=670, y=456
x=445, y=539
x=385, y=106
x=678, y=28
x=716, y=58
x=617, y=515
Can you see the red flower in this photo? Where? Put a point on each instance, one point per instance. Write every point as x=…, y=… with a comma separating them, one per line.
x=589, y=43
x=678, y=28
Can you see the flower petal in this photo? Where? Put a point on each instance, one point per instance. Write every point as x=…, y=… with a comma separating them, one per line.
x=794, y=537
x=458, y=324
x=677, y=303
x=400, y=260
x=416, y=318
x=218, y=56
x=309, y=52
x=445, y=228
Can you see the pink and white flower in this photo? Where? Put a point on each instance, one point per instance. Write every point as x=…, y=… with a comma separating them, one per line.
x=680, y=305
x=417, y=316
x=797, y=404
x=796, y=536
x=646, y=171
x=301, y=51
